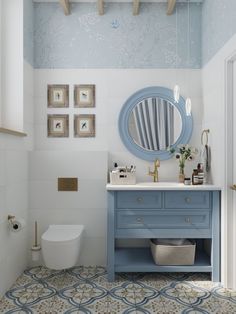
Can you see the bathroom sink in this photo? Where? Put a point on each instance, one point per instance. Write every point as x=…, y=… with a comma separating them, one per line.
x=148, y=186
x=163, y=186
x=159, y=185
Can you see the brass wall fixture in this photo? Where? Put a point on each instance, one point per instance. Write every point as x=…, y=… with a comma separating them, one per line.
x=204, y=137
x=67, y=184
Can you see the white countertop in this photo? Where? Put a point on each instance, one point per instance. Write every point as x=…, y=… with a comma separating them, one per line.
x=155, y=186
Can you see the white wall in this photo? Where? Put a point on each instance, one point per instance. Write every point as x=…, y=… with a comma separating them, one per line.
x=113, y=87
x=86, y=207
x=17, y=98
x=87, y=159
x=14, y=194
x=12, y=64
x=214, y=118
x=28, y=105
x=14, y=200
x=214, y=93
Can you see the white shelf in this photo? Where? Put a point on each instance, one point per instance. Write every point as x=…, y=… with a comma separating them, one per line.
x=141, y=260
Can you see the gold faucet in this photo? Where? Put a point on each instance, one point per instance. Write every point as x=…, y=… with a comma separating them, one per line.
x=154, y=173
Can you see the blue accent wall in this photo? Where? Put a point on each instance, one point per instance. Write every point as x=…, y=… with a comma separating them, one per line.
x=29, y=31
x=218, y=24
x=117, y=39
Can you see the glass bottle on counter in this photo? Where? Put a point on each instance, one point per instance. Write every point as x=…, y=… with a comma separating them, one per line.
x=195, y=177
x=200, y=173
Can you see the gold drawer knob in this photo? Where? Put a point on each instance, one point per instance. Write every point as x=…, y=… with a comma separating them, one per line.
x=188, y=220
x=139, y=220
x=188, y=200
x=139, y=199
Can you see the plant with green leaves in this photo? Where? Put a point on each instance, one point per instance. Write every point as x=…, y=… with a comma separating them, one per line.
x=184, y=152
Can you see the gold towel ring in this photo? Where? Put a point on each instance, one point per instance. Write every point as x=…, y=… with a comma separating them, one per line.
x=205, y=132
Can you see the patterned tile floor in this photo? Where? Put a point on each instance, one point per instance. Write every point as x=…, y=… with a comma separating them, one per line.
x=86, y=290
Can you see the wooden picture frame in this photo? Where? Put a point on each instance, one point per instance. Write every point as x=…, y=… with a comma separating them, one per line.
x=58, y=125
x=84, y=96
x=58, y=96
x=84, y=125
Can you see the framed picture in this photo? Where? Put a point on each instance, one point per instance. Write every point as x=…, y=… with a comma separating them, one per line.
x=84, y=125
x=58, y=96
x=84, y=96
x=58, y=125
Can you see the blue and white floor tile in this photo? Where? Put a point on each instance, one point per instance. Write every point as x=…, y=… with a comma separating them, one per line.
x=85, y=290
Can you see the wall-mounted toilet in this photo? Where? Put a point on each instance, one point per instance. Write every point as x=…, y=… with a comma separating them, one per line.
x=61, y=245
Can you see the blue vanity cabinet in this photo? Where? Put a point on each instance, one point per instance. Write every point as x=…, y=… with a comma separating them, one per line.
x=190, y=213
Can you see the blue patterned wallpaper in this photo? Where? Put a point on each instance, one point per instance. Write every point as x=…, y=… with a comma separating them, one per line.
x=29, y=31
x=117, y=39
x=218, y=24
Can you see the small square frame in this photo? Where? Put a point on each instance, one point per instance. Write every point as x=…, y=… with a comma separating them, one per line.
x=58, y=96
x=58, y=125
x=84, y=125
x=84, y=96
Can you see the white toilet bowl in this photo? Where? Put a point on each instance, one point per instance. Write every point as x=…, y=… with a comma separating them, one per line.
x=61, y=245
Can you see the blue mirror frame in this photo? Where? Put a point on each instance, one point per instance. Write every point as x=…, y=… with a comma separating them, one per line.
x=132, y=101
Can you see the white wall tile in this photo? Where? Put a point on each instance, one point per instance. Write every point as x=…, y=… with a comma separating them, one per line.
x=2, y=167
x=17, y=197
x=42, y=142
x=93, y=252
x=213, y=82
x=93, y=219
x=3, y=207
x=16, y=166
x=44, y=195
x=48, y=165
x=14, y=193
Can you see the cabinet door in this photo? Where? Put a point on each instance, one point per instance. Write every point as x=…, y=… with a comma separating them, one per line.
x=187, y=199
x=137, y=199
x=151, y=219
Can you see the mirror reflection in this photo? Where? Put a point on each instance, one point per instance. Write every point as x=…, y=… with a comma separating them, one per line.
x=155, y=124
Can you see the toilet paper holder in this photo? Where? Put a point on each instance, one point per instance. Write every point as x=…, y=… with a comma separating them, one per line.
x=10, y=217
x=15, y=224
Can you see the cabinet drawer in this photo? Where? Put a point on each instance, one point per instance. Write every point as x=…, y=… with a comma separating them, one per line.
x=137, y=199
x=189, y=199
x=152, y=219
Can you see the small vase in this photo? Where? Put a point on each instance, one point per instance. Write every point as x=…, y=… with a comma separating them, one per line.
x=181, y=175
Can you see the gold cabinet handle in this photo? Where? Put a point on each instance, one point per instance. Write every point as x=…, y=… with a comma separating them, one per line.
x=139, y=199
x=233, y=187
x=188, y=200
x=139, y=220
x=188, y=220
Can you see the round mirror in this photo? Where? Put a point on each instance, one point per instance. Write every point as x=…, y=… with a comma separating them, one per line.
x=151, y=122
x=155, y=124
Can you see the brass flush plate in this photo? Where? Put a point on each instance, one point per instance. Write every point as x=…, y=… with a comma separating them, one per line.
x=67, y=184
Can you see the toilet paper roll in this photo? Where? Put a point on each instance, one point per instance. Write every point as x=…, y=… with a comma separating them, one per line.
x=16, y=225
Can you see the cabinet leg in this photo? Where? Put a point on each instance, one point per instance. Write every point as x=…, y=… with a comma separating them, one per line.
x=111, y=238
x=215, y=275
x=111, y=276
x=215, y=250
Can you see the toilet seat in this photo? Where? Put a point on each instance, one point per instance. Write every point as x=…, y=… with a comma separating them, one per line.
x=62, y=233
